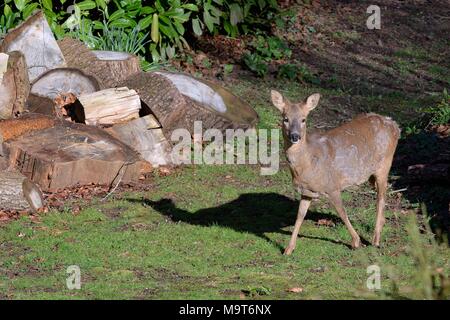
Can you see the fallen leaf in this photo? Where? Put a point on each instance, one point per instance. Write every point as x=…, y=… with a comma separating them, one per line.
x=295, y=290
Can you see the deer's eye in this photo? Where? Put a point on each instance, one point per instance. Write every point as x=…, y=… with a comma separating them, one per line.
x=303, y=120
x=286, y=120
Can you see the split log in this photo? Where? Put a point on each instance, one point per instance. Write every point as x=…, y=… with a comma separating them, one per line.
x=35, y=40
x=146, y=137
x=71, y=154
x=14, y=84
x=175, y=110
x=63, y=81
x=18, y=193
x=109, y=106
x=108, y=67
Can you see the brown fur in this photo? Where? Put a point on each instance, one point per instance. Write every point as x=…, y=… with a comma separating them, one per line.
x=327, y=163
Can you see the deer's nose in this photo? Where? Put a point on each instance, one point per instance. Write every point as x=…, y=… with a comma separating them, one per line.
x=295, y=137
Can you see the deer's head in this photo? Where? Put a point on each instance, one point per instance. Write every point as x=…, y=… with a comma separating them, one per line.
x=294, y=115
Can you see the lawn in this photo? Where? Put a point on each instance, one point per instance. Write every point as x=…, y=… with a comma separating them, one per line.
x=217, y=232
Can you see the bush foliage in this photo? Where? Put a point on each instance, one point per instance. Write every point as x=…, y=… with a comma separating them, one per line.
x=159, y=28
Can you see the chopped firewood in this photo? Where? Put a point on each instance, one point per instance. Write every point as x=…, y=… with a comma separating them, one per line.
x=35, y=40
x=68, y=154
x=109, y=68
x=63, y=81
x=146, y=137
x=175, y=110
x=41, y=105
x=18, y=193
x=109, y=106
x=14, y=84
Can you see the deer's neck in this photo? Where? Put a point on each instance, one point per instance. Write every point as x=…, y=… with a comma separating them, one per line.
x=298, y=155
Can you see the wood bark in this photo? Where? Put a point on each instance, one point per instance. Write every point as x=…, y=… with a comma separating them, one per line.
x=146, y=137
x=35, y=40
x=109, y=68
x=14, y=84
x=13, y=128
x=109, y=106
x=214, y=98
x=173, y=109
x=18, y=193
x=70, y=154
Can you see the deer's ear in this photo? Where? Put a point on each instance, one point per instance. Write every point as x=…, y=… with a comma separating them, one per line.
x=312, y=101
x=278, y=100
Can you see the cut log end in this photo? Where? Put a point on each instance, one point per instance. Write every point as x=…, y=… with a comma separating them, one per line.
x=19, y=193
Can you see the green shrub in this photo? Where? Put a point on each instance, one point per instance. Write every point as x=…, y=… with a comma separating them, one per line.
x=440, y=113
x=166, y=21
x=263, y=51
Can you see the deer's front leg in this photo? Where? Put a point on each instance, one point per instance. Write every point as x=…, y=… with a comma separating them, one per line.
x=302, y=209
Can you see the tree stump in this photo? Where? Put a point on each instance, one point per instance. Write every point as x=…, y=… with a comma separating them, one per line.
x=63, y=81
x=14, y=84
x=35, y=40
x=18, y=193
x=71, y=154
x=108, y=67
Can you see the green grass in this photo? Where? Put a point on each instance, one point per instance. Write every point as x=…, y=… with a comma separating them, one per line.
x=212, y=232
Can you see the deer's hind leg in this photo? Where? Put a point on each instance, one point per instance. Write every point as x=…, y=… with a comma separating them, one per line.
x=381, y=185
x=336, y=200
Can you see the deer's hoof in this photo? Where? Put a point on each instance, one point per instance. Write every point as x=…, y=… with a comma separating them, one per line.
x=376, y=241
x=356, y=243
x=288, y=251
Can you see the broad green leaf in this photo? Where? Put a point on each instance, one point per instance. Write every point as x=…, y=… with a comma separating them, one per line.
x=236, y=14
x=123, y=22
x=87, y=5
x=48, y=4
x=7, y=11
x=101, y=4
x=155, y=28
x=29, y=10
x=20, y=4
x=179, y=27
x=117, y=14
x=196, y=27
x=208, y=20
x=190, y=6
x=145, y=22
x=97, y=25
x=147, y=10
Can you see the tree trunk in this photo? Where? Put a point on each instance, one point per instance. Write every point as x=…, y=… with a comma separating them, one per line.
x=14, y=84
x=173, y=109
x=109, y=68
x=18, y=193
x=109, y=106
x=62, y=81
x=35, y=40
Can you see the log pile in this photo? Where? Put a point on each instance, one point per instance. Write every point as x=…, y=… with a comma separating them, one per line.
x=74, y=116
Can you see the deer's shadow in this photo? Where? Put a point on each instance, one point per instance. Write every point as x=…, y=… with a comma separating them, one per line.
x=257, y=213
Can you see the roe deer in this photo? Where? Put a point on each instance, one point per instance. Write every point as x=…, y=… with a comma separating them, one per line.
x=327, y=163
